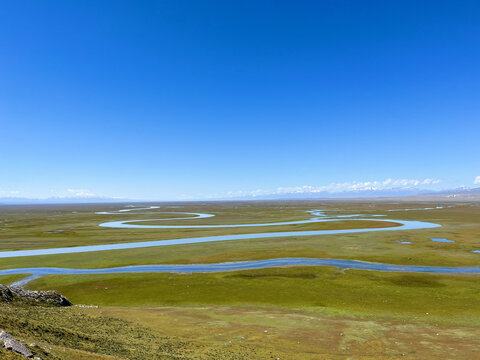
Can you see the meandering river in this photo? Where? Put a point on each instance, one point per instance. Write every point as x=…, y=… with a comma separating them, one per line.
x=319, y=216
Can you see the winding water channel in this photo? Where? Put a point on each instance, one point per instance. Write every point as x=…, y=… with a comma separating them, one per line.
x=319, y=216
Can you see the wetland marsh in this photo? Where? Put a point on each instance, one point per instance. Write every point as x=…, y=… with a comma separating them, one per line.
x=254, y=273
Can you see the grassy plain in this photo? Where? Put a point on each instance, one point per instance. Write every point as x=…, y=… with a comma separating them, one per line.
x=459, y=223
x=61, y=226
x=7, y=279
x=406, y=296
x=286, y=313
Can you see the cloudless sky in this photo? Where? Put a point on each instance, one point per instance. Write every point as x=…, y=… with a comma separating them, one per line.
x=164, y=99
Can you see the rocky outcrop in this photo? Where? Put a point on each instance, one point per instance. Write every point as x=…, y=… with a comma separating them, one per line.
x=6, y=294
x=50, y=297
x=10, y=343
x=44, y=298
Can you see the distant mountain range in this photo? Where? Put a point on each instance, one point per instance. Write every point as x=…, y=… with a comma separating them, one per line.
x=59, y=200
x=459, y=193
x=463, y=190
x=418, y=194
x=340, y=195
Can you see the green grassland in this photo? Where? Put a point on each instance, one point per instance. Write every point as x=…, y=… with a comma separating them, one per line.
x=35, y=227
x=7, y=279
x=416, y=297
x=307, y=312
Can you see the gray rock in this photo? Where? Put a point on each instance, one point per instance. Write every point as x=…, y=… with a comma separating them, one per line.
x=12, y=344
x=6, y=294
x=49, y=297
x=44, y=298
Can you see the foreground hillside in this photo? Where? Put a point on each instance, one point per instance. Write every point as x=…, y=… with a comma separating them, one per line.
x=228, y=333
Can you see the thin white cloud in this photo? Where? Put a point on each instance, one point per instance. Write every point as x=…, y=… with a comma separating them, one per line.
x=430, y=181
x=80, y=193
x=341, y=187
x=9, y=193
x=477, y=180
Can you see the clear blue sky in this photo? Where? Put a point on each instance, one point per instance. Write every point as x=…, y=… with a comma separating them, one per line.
x=164, y=99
